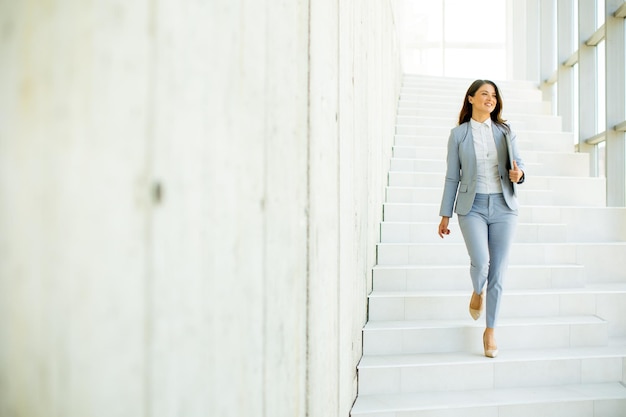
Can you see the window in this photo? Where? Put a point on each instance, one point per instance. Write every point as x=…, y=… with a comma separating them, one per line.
x=453, y=38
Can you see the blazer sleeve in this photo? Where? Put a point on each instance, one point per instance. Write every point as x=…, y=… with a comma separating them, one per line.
x=453, y=175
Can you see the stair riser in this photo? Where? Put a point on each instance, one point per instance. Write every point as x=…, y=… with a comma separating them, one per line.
x=427, y=232
x=461, y=82
x=457, y=278
x=423, y=153
x=520, y=122
x=514, y=109
x=455, y=307
x=421, y=108
x=552, y=142
x=417, y=165
x=599, y=259
x=456, y=94
x=559, y=169
x=535, y=157
x=438, y=165
x=531, y=195
x=443, y=131
x=551, y=408
x=612, y=308
x=436, y=179
x=420, y=212
x=469, y=338
x=584, y=224
x=489, y=375
x=461, y=85
x=573, y=169
x=432, y=195
x=538, y=163
x=534, y=254
x=456, y=254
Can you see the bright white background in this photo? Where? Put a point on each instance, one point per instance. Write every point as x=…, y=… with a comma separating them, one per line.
x=453, y=38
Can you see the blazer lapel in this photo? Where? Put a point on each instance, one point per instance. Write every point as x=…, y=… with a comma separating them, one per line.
x=470, y=151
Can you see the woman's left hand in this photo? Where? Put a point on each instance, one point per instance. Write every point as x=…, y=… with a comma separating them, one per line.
x=515, y=174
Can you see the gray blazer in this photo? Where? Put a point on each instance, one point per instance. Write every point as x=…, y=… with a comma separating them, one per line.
x=461, y=172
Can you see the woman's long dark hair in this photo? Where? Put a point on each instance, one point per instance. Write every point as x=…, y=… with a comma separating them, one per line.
x=466, y=111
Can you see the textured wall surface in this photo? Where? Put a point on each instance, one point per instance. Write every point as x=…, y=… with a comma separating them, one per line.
x=190, y=194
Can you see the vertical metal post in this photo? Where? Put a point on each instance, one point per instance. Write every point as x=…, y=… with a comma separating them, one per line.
x=587, y=80
x=565, y=48
x=548, y=45
x=615, y=106
x=533, y=30
x=516, y=37
x=443, y=38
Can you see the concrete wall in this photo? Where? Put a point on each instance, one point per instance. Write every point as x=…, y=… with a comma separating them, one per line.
x=190, y=194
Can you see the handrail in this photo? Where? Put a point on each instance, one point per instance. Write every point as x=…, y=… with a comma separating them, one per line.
x=594, y=140
x=594, y=40
x=597, y=37
x=601, y=137
x=621, y=11
x=553, y=78
x=572, y=60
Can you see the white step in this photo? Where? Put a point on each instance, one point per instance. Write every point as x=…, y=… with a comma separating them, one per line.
x=588, y=185
x=558, y=163
x=454, y=94
x=583, y=224
x=433, y=195
x=416, y=212
x=408, y=292
x=458, y=82
x=588, y=193
x=427, y=277
x=424, y=232
x=441, y=84
x=458, y=93
x=602, y=260
x=444, y=372
x=432, y=152
x=527, y=140
x=438, y=153
x=514, y=108
x=453, y=305
x=423, y=164
x=431, y=159
x=518, y=122
x=577, y=400
x=449, y=253
x=558, y=168
x=425, y=107
x=432, y=336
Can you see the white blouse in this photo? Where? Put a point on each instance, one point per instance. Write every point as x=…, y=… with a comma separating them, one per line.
x=488, y=177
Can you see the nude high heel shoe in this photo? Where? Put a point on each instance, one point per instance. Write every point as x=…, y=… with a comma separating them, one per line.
x=491, y=351
x=475, y=313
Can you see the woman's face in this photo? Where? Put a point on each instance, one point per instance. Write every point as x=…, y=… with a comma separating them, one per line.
x=484, y=100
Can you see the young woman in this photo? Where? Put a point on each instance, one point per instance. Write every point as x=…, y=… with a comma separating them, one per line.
x=483, y=166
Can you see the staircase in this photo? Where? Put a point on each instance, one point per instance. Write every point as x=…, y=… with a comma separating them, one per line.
x=562, y=329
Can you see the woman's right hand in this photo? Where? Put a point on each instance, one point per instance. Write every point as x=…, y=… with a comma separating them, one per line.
x=443, y=226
